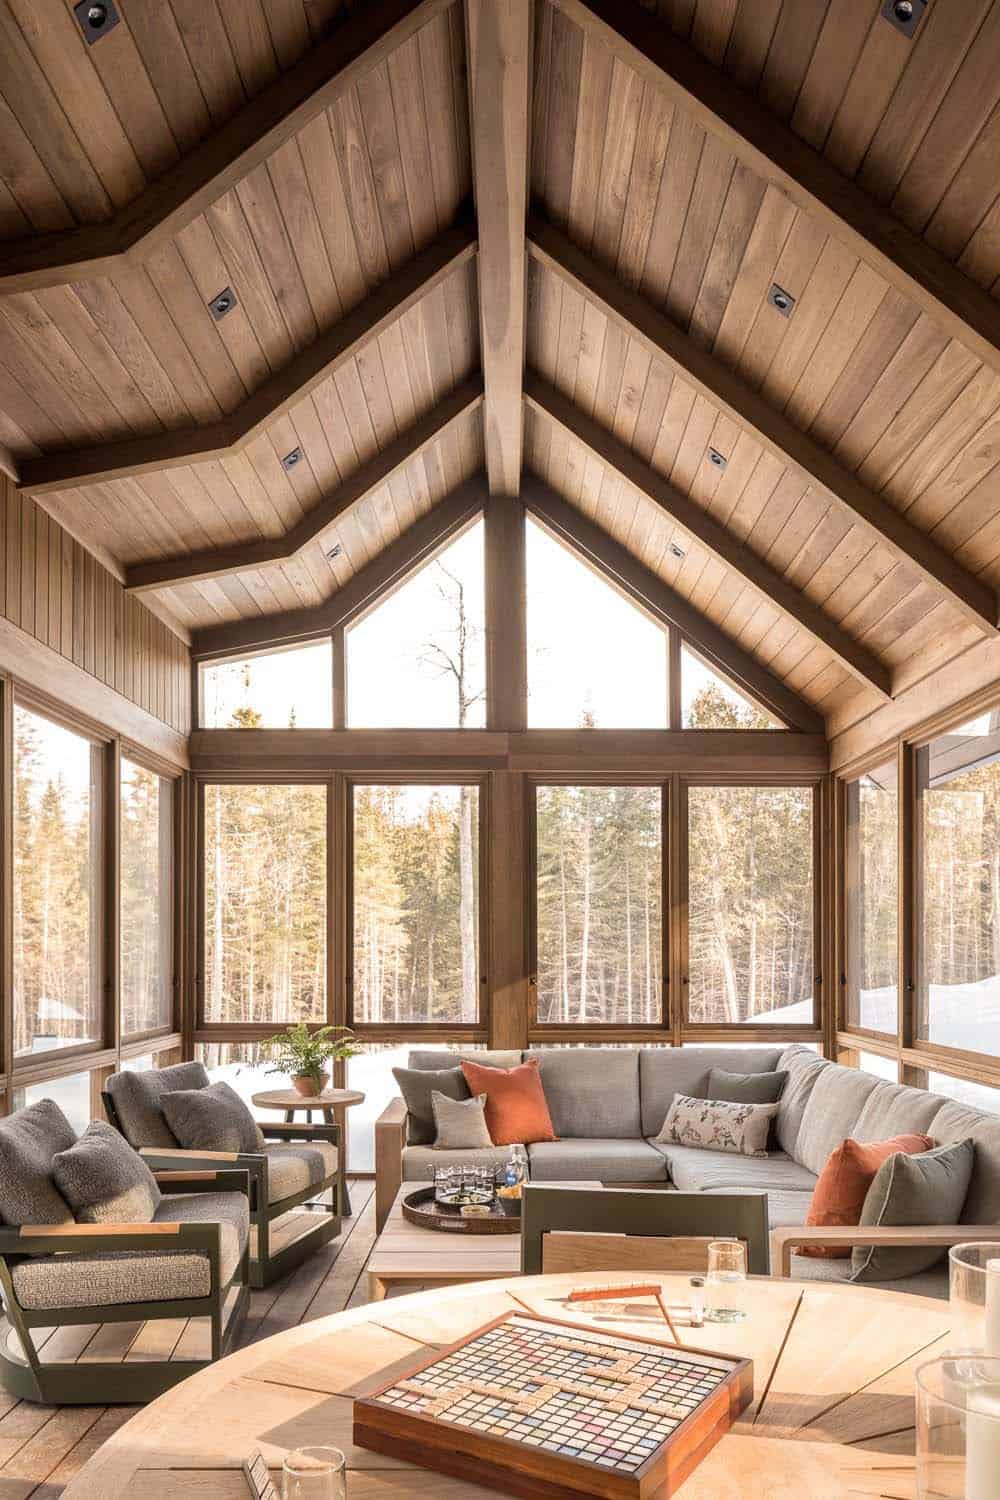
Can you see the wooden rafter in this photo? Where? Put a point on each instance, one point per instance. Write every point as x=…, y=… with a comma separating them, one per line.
x=644, y=43
x=170, y=450
x=246, y=557
x=664, y=340
x=360, y=44
x=555, y=408
x=661, y=601
x=417, y=545
x=500, y=36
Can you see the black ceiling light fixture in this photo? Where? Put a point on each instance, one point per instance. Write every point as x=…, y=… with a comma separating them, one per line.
x=676, y=550
x=222, y=303
x=95, y=19
x=291, y=459
x=717, y=458
x=334, y=551
x=780, y=299
x=905, y=15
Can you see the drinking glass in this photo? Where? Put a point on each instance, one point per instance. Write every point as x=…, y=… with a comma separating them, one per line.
x=314, y=1474
x=958, y=1428
x=974, y=1293
x=724, y=1281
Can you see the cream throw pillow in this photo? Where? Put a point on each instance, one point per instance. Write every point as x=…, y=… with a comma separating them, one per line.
x=460, y=1123
x=716, y=1125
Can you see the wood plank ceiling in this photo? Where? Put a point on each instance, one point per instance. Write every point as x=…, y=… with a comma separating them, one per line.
x=318, y=161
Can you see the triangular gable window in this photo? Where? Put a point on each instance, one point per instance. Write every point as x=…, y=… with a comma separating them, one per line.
x=708, y=701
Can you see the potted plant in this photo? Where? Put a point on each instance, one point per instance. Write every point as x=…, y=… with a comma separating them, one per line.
x=303, y=1054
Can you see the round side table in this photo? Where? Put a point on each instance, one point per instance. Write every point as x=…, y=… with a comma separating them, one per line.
x=333, y=1104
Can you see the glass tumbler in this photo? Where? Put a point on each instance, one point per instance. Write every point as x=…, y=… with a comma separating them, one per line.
x=725, y=1281
x=314, y=1474
x=958, y=1428
x=974, y=1296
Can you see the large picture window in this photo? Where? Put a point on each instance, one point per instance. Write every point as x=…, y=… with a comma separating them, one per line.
x=750, y=905
x=265, y=903
x=870, y=893
x=147, y=964
x=58, y=969
x=599, y=905
x=416, y=905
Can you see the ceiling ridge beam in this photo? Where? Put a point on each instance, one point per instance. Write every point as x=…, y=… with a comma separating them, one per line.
x=354, y=48
x=417, y=545
x=499, y=44
x=664, y=340
x=636, y=580
x=557, y=409
x=246, y=557
x=775, y=153
x=170, y=450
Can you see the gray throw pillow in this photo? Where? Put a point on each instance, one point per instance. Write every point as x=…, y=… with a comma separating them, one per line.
x=746, y=1088
x=104, y=1181
x=461, y=1123
x=212, y=1119
x=416, y=1086
x=29, y=1139
x=927, y=1188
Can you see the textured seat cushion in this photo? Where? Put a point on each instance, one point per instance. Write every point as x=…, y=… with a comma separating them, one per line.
x=666, y=1071
x=29, y=1140
x=516, y=1109
x=591, y=1091
x=212, y=1119
x=834, y=1108
x=694, y=1170
x=421, y=1162
x=125, y=1276
x=589, y=1160
x=928, y=1188
x=104, y=1180
x=958, y=1122
x=925, y=1284
x=137, y=1098
x=783, y=1208
x=804, y=1068
x=294, y=1168
x=416, y=1086
x=843, y=1184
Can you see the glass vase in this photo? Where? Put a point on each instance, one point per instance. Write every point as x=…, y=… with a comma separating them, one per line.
x=958, y=1428
x=974, y=1293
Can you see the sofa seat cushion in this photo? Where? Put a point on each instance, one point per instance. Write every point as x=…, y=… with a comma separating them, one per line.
x=421, y=1162
x=924, y=1284
x=137, y=1098
x=591, y=1091
x=127, y=1276
x=666, y=1071
x=295, y=1168
x=783, y=1208
x=693, y=1170
x=588, y=1160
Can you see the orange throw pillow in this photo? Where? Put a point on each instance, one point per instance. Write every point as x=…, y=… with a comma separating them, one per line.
x=516, y=1111
x=840, y=1191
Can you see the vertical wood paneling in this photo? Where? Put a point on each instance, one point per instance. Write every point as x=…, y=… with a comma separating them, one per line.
x=55, y=591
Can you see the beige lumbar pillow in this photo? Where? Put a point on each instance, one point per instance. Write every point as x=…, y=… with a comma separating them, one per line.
x=715, y=1125
x=460, y=1123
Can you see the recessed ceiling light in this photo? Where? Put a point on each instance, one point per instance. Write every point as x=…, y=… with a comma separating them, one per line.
x=905, y=15
x=676, y=550
x=95, y=19
x=334, y=551
x=291, y=459
x=782, y=300
x=222, y=303
x=717, y=458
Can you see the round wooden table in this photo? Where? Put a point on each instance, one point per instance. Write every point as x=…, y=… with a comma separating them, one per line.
x=333, y=1104
x=832, y=1416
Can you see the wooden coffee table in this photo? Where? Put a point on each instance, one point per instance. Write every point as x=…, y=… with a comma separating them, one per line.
x=832, y=1416
x=333, y=1104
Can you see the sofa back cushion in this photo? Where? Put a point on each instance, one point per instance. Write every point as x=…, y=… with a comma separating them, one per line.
x=666, y=1071
x=954, y=1122
x=104, y=1180
x=592, y=1091
x=137, y=1098
x=803, y=1067
x=893, y=1108
x=439, y=1057
x=831, y=1114
x=29, y=1141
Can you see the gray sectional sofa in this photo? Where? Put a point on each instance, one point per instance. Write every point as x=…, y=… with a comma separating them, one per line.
x=607, y=1104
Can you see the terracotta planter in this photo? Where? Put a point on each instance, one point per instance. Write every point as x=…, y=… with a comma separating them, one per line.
x=310, y=1088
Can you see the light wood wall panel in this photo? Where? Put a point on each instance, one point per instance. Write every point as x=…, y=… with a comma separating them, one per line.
x=59, y=594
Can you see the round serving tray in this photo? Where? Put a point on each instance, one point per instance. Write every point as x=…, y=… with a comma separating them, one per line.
x=420, y=1208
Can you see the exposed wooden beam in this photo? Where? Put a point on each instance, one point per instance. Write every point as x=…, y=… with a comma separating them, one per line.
x=417, y=545
x=661, y=601
x=555, y=408
x=664, y=340
x=644, y=43
x=356, y=47
x=246, y=557
x=500, y=36
x=170, y=450
x=8, y=464
x=506, y=615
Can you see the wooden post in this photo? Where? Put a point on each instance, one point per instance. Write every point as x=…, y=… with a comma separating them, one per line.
x=511, y=1001
x=506, y=637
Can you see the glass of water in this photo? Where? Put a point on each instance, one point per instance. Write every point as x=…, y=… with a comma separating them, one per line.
x=725, y=1281
x=314, y=1474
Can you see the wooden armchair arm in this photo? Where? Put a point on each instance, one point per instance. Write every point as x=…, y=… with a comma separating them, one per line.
x=169, y=1155
x=49, y=1239
x=176, y=1159
x=784, y=1241
x=390, y=1138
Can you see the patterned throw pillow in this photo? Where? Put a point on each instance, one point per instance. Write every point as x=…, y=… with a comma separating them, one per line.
x=715, y=1125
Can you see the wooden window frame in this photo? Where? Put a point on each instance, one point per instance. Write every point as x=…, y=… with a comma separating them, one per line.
x=147, y=761
x=844, y=1025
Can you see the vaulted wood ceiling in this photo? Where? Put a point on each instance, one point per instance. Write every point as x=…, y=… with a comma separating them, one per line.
x=465, y=235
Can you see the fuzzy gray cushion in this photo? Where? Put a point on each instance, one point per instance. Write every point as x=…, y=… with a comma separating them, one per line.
x=104, y=1180
x=29, y=1139
x=927, y=1188
x=746, y=1088
x=138, y=1100
x=461, y=1123
x=416, y=1086
x=212, y=1119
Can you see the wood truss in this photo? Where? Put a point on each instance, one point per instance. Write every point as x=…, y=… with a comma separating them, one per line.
x=507, y=47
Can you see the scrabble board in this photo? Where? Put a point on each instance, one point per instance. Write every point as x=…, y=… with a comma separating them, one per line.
x=539, y=1408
